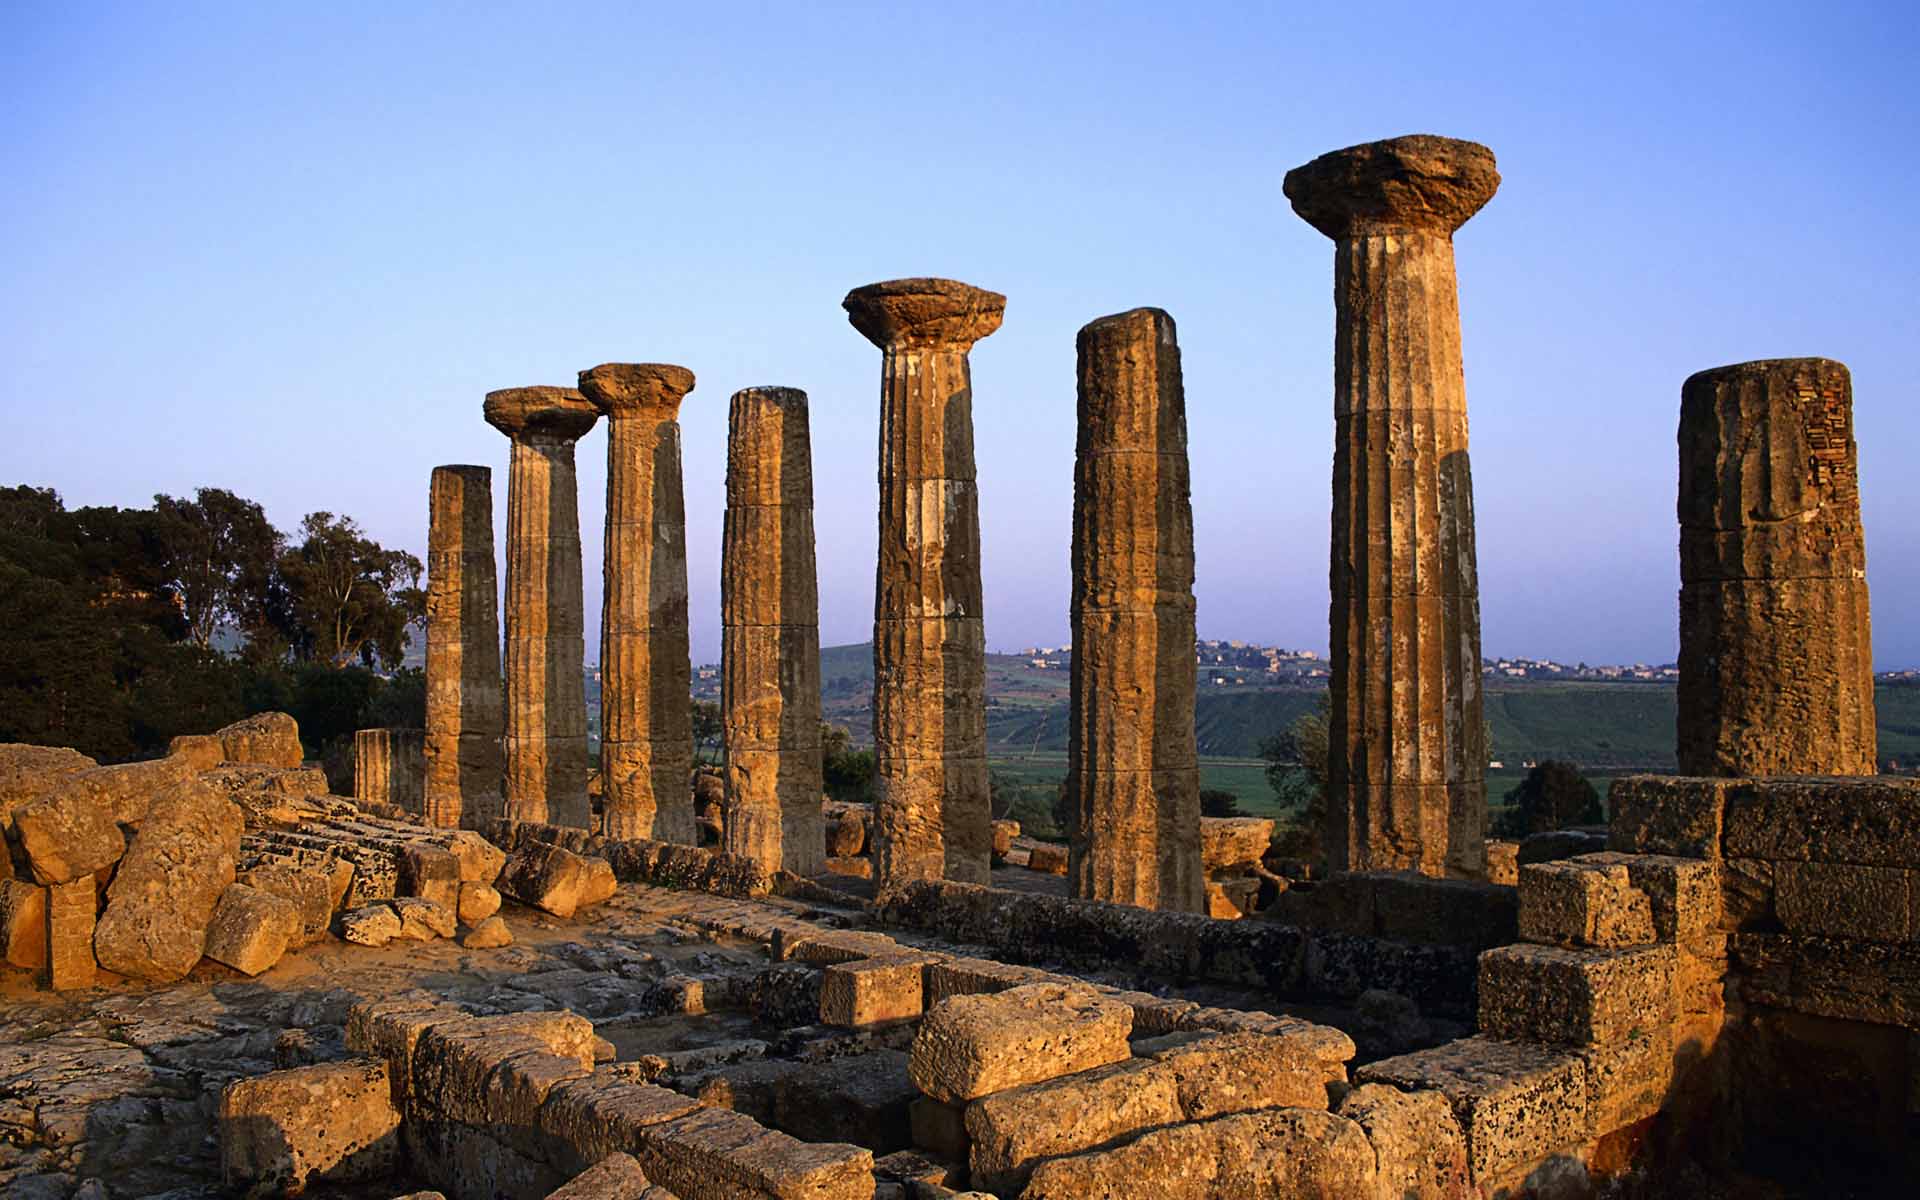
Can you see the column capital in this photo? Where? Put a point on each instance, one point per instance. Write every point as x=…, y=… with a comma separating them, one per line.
x=924, y=313
x=552, y=411
x=1414, y=184
x=624, y=389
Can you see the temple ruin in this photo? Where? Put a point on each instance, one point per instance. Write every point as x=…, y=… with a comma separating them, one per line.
x=1776, y=649
x=546, y=711
x=646, y=731
x=1716, y=994
x=1407, y=743
x=770, y=636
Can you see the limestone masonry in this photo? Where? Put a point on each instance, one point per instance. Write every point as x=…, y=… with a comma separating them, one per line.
x=466, y=717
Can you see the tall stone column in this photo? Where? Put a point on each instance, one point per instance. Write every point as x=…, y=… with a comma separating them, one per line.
x=387, y=767
x=546, y=729
x=932, y=816
x=1133, y=774
x=465, y=719
x=1776, y=649
x=646, y=672
x=770, y=639
x=1407, y=751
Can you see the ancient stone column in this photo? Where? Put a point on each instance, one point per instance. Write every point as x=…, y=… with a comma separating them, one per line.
x=465, y=719
x=387, y=767
x=1133, y=774
x=932, y=817
x=1407, y=750
x=646, y=673
x=546, y=738
x=1776, y=653
x=770, y=637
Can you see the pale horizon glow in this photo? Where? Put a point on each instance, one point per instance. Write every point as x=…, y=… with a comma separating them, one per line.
x=287, y=251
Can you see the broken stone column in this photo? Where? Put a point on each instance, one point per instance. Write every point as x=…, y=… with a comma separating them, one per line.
x=1776, y=652
x=546, y=724
x=387, y=767
x=646, y=672
x=932, y=817
x=770, y=639
x=1407, y=743
x=1133, y=774
x=465, y=718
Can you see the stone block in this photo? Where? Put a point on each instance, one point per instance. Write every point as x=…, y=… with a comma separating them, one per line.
x=873, y=991
x=166, y=888
x=1238, y=1072
x=308, y=887
x=477, y=902
x=1410, y=907
x=1575, y=997
x=596, y=1115
x=1011, y=1132
x=1227, y=843
x=70, y=932
x=1281, y=1152
x=1048, y=858
x=1873, y=822
x=545, y=877
x=490, y=934
x=915, y=1171
x=66, y=835
x=1417, y=1143
x=127, y=790
x=1516, y=1102
x=430, y=873
x=976, y=976
x=201, y=751
x=479, y=859
x=972, y=1046
x=1840, y=900
x=712, y=1152
x=1555, y=844
x=23, y=924
x=862, y=1099
x=1576, y=902
x=28, y=772
x=391, y=1028
x=1004, y=832
x=850, y=868
x=424, y=920
x=1503, y=863
x=616, y=1177
x=823, y=947
x=1873, y=982
x=331, y=1123
x=265, y=739
x=938, y=1127
x=1664, y=814
x=370, y=925
x=1684, y=893
x=599, y=884
x=746, y=1087
x=251, y=929
x=1628, y=1080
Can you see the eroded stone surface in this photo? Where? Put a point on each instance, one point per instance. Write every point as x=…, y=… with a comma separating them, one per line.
x=166, y=888
x=333, y=1122
x=973, y=1045
x=465, y=701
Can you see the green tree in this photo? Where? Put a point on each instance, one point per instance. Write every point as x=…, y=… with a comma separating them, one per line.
x=1553, y=795
x=218, y=555
x=1296, y=760
x=1214, y=802
x=846, y=772
x=709, y=730
x=351, y=598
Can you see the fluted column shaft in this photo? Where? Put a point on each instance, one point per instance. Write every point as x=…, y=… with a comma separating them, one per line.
x=387, y=767
x=1406, y=740
x=646, y=673
x=1133, y=772
x=770, y=639
x=465, y=718
x=933, y=817
x=1776, y=649
x=546, y=727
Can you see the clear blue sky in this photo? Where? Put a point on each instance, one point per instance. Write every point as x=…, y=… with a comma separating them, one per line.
x=286, y=249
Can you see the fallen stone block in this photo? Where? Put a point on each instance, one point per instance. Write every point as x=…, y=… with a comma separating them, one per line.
x=1011, y=1132
x=1575, y=997
x=1048, y=858
x=250, y=929
x=429, y=873
x=23, y=924
x=478, y=901
x=370, y=925
x=66, y=835
x=332, y=1123
x=599, y=884
x=1578, y=902
x=972, y=1046
x=201, y=751
x=424, y=920
x=1417, y=1143
x=1516, y=1102
x=1227, y=843
x=873, y=991
x=166, y=888
x=70, y=934
x=862, y=1099
x=27, y=773
x=849, y=868
x=1003, y=834
x=1239, y=1072
x=307, y=887
x=911, y=1167
x=479, y=859
x=846, y=836
x=616, y=1177
x=270, y=739
x=128, y=790
x=1282, y=1152
x=545, y=877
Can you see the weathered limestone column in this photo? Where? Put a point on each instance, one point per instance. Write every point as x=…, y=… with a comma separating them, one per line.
x=1133, y=771
x=1776, y=648
x=546, y=738
x=932, y=816
x=770, y=638
x=387, y=767
x=465, y=718
x=1407, y=743
x=646, y=672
